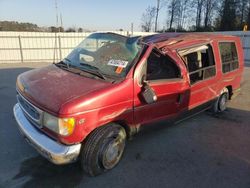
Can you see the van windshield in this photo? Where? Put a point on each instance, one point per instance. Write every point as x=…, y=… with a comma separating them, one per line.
x=111, y=54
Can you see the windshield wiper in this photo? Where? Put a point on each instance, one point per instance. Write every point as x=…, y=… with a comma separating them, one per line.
x=62, y=64
x=68, y=62
x=93, y=70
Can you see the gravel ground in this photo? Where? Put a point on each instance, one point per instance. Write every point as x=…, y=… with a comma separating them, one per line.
x=204, y=151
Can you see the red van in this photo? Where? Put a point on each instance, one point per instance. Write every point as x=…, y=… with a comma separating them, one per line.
x=87, y=105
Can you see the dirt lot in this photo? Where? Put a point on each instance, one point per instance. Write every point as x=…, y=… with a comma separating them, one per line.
x=204, y=151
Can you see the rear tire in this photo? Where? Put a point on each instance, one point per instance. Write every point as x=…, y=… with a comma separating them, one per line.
x=103, y=149
x=221, y=103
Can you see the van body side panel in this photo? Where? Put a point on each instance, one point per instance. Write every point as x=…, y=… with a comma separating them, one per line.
x=113, y=104
x=233, y=78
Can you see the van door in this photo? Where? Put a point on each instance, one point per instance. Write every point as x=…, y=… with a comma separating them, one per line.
x=202, y=73
x=164, y=77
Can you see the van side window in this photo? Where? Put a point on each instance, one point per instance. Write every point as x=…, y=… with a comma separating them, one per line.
x=229, y=56
x=160, y=67
x=200, y=63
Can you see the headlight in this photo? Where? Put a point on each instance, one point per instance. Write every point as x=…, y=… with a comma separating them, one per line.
x=62, y=126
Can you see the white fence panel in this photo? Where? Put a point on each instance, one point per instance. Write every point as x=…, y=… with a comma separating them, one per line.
x=37, y=46
x=51, y=47
x=40, y=46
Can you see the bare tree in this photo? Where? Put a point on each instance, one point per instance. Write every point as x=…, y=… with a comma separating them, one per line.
x=198, y=4
x=228, y=19
x=158, y=7
x=202, y=14
x=172, y=9
x=243, y=10
x=210, y=6
x=148, y=18
x=182, y=7
x=157, y=14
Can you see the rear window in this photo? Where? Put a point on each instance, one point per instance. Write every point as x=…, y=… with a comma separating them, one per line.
x=229, y=56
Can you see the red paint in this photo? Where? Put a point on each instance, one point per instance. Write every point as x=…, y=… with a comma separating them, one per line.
x=98, y=102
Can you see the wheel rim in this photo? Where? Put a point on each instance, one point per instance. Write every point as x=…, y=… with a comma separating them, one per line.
x=223, y=102
x=113, y=150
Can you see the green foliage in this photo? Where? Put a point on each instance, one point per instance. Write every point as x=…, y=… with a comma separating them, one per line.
x=16, y=26
x=19, y=26
x=54, y=29
x=71, y=30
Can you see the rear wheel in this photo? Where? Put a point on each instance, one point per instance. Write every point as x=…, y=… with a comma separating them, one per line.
x=221, y=104
x=103, y=149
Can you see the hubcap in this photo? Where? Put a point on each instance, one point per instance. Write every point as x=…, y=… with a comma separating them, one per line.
x=113, y=151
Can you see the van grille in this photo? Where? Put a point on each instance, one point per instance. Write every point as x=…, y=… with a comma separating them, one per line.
x=34, y=114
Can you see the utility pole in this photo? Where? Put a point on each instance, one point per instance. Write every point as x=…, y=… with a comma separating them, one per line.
x=157, y=14
x=55, y=58
x=56, y=14
x=61, y=21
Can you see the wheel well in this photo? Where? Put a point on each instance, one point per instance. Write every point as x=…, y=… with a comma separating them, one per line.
x=130, y=130
x=230, y=90
x=124, y=125
x=121, y=123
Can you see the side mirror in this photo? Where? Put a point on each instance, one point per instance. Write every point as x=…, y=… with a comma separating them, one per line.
x=147, y=94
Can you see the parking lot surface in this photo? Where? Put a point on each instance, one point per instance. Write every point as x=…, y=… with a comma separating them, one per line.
x=203, y=151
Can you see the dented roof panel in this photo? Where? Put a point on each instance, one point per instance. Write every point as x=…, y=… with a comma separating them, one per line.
x=182, y=40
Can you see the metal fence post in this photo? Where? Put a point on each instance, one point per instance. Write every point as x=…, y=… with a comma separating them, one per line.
x=60, y=47
x=21, y=49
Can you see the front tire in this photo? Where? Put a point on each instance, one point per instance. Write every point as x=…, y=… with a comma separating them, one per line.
x=103, y=149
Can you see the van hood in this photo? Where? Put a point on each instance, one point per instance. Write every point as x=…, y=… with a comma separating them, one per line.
x=50, y=87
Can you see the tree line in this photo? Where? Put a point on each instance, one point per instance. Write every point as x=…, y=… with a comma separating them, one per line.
x=197, y=15
x=25, y=26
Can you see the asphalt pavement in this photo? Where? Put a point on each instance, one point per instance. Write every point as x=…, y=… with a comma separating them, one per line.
x=203, y=151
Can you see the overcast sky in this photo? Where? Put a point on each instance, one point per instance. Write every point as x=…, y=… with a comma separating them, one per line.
x=88, y=14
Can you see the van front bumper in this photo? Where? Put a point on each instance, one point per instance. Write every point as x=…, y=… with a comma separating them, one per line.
x=55, y=152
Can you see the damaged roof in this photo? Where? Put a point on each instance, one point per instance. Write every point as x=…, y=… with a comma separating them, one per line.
x=179, y=40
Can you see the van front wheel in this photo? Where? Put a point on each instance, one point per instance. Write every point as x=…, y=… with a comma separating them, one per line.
x=103, y=149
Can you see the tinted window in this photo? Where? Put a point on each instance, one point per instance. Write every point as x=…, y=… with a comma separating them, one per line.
x=200, y=63
x=160, y=66
x=229, y=56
